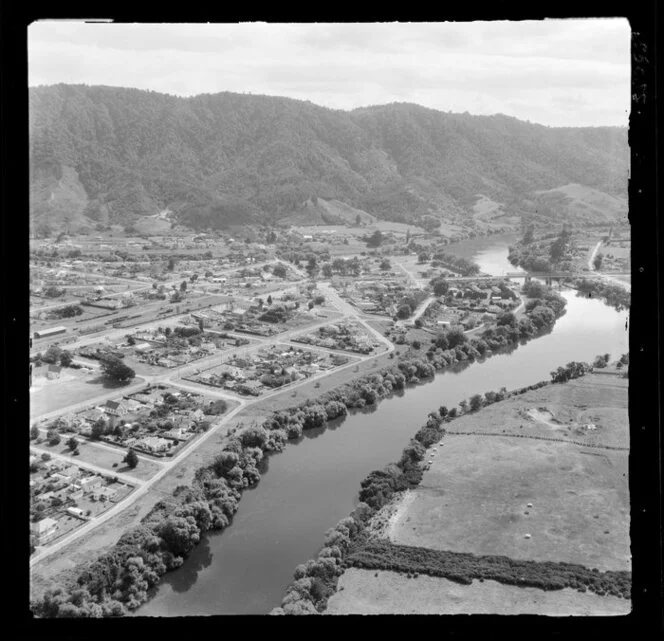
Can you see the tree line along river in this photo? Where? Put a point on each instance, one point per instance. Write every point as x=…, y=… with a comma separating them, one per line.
x=314, y=483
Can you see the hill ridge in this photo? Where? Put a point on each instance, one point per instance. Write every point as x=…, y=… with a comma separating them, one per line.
x=224, y=158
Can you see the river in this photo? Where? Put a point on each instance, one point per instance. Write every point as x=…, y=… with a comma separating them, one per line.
x=313, y=484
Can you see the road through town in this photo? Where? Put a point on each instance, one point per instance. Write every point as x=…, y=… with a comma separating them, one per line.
x=173, y=378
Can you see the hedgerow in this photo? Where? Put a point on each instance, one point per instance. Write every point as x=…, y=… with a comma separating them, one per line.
x=464, y=568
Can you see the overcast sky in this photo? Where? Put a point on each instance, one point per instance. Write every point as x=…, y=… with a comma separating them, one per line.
x=556, y=72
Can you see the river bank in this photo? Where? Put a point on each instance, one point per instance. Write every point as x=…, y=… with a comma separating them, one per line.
x=342, y=456
x=279, y=523
x=481, y=491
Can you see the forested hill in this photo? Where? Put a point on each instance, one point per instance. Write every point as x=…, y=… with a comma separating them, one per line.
x=106, y=154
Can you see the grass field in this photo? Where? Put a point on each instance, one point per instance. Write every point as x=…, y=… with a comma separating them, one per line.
x=105, y=456
x=383, y=592
x=72, y=387
x=475, y=496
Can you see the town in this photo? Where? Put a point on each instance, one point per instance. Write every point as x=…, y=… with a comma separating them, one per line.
x=193, y=335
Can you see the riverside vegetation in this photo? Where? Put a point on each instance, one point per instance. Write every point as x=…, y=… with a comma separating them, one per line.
x=119, y=580
x=350, y=544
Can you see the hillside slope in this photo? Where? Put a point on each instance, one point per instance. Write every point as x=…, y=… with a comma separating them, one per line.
x=106, y=154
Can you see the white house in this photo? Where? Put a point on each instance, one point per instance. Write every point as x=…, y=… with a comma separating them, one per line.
x=44, y=529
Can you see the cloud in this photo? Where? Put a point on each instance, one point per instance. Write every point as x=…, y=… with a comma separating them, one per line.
x=558, y=72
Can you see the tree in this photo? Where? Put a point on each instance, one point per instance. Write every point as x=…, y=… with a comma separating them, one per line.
x=597, y=261
x=45, y=457
x=66, y=358
x=464, y=405
x=311, y=304
x=557, y=250
x=404, y=311
x=442, y=410
x=599, y=362
x=455, y=337
x=131, y=340
x=385, y=264
x=375, y=239
x=475, y=402
x=440, y=286
x=52, y=354
x=529, y=236
x=269, y=300
x=171, y=264
x=280, y=271
x=115, y=371
x=506, y=318
x=34, y=433
x=131, y=459
x=72, y=444
x=53, y=438
x=183, y=286
x=98, y=428
x=358, y=220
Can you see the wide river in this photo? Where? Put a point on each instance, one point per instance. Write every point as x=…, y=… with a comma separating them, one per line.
x=313, y=484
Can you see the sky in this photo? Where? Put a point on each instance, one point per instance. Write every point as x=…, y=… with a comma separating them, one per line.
x=573, y=72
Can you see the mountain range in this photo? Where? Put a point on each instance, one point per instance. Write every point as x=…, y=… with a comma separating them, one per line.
x=107, y=155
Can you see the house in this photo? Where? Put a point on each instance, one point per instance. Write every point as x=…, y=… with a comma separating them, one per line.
x=90, y=482
x=115, y=408
x=105, y=493
x=75, y=492
x=53, y=372
x=154, y=443
x=132, y=405
x=61, y=479
x=44, y=529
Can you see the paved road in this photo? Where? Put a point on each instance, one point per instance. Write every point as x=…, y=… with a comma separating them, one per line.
x=140, y=491
x=172, y=377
